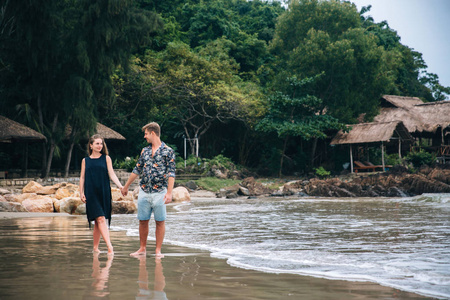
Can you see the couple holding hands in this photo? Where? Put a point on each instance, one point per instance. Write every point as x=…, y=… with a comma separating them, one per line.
x=155, y=166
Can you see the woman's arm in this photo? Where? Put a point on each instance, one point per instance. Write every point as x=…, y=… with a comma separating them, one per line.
x=111, y=172
x=82, y=196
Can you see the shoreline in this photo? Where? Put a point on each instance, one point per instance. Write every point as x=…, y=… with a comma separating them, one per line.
x=42, y=245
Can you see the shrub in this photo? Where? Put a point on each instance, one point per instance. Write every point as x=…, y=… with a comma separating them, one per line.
x=394, y=160
x=128, y=163
x=419, y=158
x=322, y=173
x=204, y=166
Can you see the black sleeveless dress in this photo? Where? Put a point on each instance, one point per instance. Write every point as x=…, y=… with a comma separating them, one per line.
x=97, y=189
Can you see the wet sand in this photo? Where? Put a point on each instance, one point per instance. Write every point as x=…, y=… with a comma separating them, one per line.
x=48, y=256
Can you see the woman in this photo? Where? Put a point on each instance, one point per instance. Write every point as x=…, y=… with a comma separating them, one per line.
x=95, y=190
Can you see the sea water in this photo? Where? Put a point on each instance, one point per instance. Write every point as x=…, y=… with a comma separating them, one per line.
x=397, y=242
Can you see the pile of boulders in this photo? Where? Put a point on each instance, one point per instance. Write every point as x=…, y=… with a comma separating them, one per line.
x=427, y=180
x=65, y=197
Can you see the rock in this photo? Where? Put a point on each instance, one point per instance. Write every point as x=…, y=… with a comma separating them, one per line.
x=255, y=188
x=4, y=191
x=48, y=190
x=32, y=187
x=19, y=197
x=219, y=174
x=39, y=204
x=124, y=207
x=191, y=185
x=70, y=205
x=180, y=194
x=117, y=195
x=3, y=199
x=57, y=205
x=231, y=195
x=243, y=191
x=81, y=209
x=395, y=192
x=277, y=193
x=441, y=175
x=221, y=193
x=67, y=190
x=12, y=207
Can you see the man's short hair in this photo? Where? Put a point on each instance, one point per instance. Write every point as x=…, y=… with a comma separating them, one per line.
x=153, y=126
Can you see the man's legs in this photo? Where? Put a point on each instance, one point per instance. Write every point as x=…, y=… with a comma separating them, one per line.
x=159, y=234
x=143, y=234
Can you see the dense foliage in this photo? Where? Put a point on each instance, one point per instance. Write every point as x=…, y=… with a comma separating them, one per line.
x=256, y=81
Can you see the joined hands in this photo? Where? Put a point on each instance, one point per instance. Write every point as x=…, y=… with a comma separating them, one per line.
x=124, y=190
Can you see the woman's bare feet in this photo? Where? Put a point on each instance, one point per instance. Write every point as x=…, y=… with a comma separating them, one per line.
x=111, y=251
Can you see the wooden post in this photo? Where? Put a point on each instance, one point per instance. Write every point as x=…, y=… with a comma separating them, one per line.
x=351, y=159
x=399, y=148
x=382, y=156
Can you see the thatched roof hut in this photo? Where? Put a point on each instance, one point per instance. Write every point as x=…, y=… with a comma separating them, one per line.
x=11, y=131
x=373, y=134
x=399, y=101
x=367, y=133
x=420, y=118
x=106, y=132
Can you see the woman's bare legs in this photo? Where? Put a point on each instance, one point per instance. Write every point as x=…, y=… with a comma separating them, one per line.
x=101, y=228
x=96, y=236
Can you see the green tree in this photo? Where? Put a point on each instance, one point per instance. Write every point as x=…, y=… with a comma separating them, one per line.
x=296, y=113
x=61, y=56
x=202, y=88
x=315, y=37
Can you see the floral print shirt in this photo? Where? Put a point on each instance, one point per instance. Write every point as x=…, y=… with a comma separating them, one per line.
x=155, y=171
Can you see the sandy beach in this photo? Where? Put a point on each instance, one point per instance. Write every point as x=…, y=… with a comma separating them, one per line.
x=48, y=256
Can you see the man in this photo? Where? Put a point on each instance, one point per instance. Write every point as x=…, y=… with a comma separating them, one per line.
x=156, y=165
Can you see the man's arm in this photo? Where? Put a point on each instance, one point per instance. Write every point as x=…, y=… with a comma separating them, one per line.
x=168, y=196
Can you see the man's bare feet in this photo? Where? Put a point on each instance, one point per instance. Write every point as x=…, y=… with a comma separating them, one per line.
x=96, y=251
x=139, y=252
x=110, y=251
x=159, y=255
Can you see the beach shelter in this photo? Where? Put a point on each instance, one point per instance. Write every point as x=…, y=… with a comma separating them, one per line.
x=107, y=133
x=373, y=134
x=14, y=132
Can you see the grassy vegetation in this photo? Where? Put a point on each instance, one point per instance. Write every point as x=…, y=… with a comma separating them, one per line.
x=215, y=184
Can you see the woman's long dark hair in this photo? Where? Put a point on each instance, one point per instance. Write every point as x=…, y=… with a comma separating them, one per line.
x=91, y=141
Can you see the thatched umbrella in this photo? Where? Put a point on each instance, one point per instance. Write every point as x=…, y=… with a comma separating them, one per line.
x=106, y=132
x=13, y=132
x=373, y=133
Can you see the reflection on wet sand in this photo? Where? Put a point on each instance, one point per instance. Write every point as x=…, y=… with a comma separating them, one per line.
x=144, y=293
x=99, y=286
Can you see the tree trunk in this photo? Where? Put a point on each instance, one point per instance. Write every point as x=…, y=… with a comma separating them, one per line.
x=52, y=146
x=69, y=152
x=313, y=151
x=41, y=129
x=282, y=157
x=69, y=158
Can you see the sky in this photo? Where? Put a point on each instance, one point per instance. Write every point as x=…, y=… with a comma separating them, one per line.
x=423, y=25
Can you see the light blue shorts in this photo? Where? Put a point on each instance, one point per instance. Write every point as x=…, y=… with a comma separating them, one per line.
x=151, y=202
